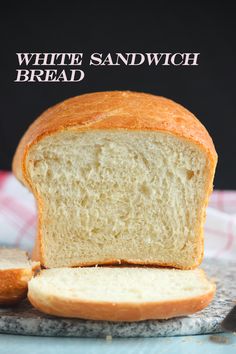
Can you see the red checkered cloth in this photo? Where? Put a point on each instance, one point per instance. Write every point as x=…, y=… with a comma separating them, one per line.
x=18, y=219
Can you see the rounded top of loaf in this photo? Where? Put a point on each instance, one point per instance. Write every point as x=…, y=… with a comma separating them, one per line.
x=114, y=110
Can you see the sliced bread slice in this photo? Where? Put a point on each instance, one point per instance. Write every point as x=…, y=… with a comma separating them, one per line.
x=15, y=271
x=120, y=293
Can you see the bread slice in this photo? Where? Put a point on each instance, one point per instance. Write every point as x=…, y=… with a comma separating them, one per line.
x=119, y=177
x=15, y=271
x=120, y=293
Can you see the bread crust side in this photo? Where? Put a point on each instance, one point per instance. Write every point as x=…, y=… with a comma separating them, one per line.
x=115, y=110
x=14, y=284
x=120, y=312
x=115, y=262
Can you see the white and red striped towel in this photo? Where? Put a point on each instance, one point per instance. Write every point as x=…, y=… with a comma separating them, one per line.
x=18, y=219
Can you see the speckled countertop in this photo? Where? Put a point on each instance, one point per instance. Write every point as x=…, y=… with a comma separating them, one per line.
x=23, y=319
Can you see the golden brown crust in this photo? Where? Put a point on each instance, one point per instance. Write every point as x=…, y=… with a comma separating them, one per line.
x=122, y=110
x=114, y=110
x=14, y=284
x=127, y=312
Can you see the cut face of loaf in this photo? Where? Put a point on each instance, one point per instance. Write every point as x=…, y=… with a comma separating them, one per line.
x=118, y=177
x=120, y=293
x=119, y=196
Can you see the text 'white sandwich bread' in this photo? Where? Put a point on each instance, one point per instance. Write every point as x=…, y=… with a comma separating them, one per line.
x=119, y=177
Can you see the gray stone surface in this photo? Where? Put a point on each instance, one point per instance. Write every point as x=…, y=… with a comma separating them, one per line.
x=24, y=319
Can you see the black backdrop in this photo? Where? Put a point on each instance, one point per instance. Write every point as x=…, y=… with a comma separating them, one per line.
x=208, y=90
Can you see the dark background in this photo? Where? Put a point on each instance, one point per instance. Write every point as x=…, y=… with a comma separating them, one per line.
x=208, y=90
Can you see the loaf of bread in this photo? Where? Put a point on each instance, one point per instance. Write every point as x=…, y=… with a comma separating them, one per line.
x=120, y=293
x=15, y=271
x=119, y=177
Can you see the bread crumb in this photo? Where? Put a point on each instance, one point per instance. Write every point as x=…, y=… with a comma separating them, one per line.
x=214, y=279
x=219, y=339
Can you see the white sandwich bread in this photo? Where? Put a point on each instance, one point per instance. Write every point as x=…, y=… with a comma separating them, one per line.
x=119, y=177
x=15, y=271
x=120, y=293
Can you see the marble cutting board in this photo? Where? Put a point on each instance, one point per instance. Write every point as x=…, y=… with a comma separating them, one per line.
x=24, y=319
